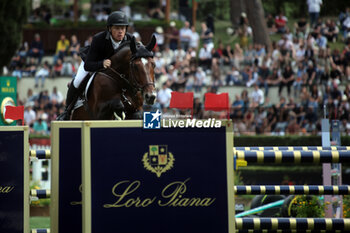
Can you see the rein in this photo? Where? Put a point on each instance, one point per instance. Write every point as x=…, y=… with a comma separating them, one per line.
x=135, y=87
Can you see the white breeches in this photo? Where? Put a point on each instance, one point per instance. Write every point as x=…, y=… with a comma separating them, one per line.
x=80, y=75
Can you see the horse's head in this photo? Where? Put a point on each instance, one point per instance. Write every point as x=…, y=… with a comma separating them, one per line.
x=142, y=69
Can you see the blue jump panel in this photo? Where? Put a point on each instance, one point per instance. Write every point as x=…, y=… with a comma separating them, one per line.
x=128, y=196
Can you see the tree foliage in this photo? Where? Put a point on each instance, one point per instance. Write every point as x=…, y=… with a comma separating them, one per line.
x=13, y=14
x=255, y=12
x=298, y=8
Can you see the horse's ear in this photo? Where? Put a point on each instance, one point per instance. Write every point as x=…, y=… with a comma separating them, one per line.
x=133, y=45
x=152, y=43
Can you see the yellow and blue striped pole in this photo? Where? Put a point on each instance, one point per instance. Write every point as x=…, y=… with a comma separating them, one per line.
x=40, y=231
x=292, y=148
x=294, y=156
x=40, y=193
x=299, y=224
x=287, y=231
x=40, y=154
x=292, y=189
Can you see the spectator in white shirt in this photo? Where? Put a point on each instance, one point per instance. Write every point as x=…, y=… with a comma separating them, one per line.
x=185, y=36
x=199, y=80
x=42, y=73
x=314, y=10
x=56, y=96
x=29, y=114
x=257, y=96
x=159, y=34
x=164, y=96
x=194, y=42
x=205, y=57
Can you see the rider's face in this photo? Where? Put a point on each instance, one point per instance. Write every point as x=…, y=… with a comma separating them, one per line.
x=118, y=32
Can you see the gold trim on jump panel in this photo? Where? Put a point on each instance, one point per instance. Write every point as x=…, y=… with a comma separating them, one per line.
x=86, y=176
x=26, y=178
x=25, y=130
x=55, y=129
x=230, y=177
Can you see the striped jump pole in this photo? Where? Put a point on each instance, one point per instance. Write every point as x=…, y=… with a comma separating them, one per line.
x=299, y=224
x=292, y=189
x=292, y=148
x=40, y=154
x=287, y=231
x=40, y=231
x=294, y=156
x=40, y=193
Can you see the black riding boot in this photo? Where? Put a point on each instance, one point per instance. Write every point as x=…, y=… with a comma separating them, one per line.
x=72, y=96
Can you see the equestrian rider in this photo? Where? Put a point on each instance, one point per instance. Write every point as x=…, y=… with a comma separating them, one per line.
x=102, y=47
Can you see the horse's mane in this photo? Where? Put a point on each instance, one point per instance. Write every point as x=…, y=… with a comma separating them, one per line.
x=141, y=50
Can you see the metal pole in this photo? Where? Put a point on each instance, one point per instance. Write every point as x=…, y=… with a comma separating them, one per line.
x=336, y=172
x=326, y=167
x=260, y=208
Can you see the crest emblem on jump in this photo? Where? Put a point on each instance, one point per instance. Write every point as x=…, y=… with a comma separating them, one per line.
x=158, y=160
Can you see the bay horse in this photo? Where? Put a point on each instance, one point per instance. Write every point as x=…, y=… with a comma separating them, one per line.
x=122, y=88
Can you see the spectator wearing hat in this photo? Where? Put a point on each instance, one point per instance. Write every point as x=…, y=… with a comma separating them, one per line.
x=159, y=34
x=173, y=36
x=29, y=114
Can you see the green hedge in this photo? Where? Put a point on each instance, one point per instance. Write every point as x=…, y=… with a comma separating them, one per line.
x=270, y=140
x=66, y=23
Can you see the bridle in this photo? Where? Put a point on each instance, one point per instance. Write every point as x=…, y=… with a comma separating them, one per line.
x=133, y=79
x=134, y=85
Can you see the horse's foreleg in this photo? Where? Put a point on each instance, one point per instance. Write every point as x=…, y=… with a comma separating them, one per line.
x=107, y=109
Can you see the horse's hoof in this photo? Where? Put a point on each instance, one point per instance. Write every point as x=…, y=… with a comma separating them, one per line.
x=119, y=118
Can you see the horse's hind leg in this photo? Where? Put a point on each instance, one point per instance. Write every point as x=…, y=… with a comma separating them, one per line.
x=107, y=109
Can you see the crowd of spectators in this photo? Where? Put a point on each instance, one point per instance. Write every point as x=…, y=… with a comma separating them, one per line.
x=301, y=62
x=28, y=60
